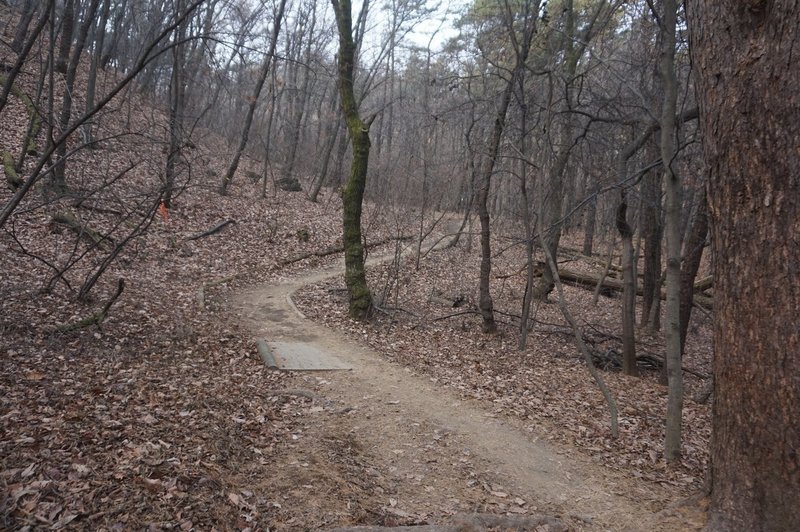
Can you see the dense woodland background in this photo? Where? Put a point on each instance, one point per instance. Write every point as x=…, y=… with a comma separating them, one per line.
x=161, y=155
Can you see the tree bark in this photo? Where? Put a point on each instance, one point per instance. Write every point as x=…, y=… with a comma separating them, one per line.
x=629, y=290
x=28, y=10
x=360, y=306
x=672, y=228
x=652, y=232
x=59, y=171
x=67, y=28
x=177, y=107
x=91, y=84
x=746, y=60
x=590, y=222
x=693, y=254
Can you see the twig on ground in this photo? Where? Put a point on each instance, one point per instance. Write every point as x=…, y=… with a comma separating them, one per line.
x=214, y=230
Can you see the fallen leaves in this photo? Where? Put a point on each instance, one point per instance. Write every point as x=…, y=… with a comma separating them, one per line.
x=546, y=385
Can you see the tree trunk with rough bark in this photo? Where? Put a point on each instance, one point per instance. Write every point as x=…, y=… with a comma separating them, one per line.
x=59, y=170
x=652, y=231
x=747, y=66
x=629, y=290
x=177, y=105
x=28, y=10
x=67, y=28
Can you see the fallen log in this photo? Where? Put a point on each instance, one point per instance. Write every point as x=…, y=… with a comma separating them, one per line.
x=337, y=249
x=69, y=220
x=704, y=284
x=12, y=177
x=589, y=282
x=214, y=230
x=98, y=317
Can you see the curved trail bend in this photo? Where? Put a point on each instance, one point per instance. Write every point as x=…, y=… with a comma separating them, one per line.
x=434, y=450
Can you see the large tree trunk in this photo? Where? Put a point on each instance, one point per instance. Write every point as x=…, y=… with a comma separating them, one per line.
x=590, y=222
x=353, y=193
x=748, y=68
x=67, y=27
x=574, y=46
x=629, y=283
x=302, y=98
x=28, y=10
x=91, y=84
x=177, y=107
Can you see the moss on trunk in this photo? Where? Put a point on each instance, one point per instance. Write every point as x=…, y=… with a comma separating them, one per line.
x=353, y=192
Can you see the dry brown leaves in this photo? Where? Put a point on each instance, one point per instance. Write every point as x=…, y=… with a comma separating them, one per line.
x=547, y=384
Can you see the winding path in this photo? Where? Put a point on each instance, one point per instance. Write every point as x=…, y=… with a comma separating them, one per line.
x=402, y=419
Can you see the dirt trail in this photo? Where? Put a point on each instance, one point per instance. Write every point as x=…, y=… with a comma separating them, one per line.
x=423, y=451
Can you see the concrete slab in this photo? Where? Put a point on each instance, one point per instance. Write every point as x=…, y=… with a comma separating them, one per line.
x=300, y=356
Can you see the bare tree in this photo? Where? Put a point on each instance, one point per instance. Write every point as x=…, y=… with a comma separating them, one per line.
x=528, y=15
x=253, y=101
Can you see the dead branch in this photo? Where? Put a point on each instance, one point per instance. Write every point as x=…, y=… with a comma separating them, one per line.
x=612, y=404
x=98, y=317
x=214, y=230
x=612, y=359
x=338, y=249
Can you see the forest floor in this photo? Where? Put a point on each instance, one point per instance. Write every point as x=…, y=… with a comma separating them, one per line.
x=403, y=449
x=164, y=417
